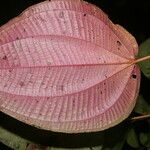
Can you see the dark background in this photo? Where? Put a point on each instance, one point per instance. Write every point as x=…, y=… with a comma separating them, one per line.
x=134, y=15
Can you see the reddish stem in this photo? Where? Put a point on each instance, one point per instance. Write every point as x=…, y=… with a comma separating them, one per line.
x=141, y=117
x=141, y=59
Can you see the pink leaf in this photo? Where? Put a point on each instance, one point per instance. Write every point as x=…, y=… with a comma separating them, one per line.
x=64, y=66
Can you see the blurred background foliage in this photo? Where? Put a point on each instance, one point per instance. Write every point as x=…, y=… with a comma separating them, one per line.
x=130, y=134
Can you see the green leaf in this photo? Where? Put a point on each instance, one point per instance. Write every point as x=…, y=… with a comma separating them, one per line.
x=144, y=138
x=145, y=51
x=119, y=145
x=132, y=139
x=86, y=148
x=142, y=107
x=97, y=148
x=11, y=140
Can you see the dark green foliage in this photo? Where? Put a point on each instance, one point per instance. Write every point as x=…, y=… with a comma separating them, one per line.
x=142, y=106
x=145, y=51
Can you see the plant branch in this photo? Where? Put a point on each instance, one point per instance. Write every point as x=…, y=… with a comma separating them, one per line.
x=130, y=63
x=141, y=59
x=141, y=117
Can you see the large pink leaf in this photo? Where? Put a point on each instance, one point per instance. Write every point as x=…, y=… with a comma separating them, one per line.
x=64, y=66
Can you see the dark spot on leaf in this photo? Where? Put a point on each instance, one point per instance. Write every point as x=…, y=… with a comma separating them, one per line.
x=5, y=57
x=119, y=43
x=84, y=15
x=13, y=45
x=24, y=30
x=17, y=38
x=92, y=30
x=62, y=88
x=42, y=83
x=10, y=70
x=134, y=76
x=105, y=76
x=101, y=92
x=63, y=32
x=30, y=81
x=37, y=101
x=104, y=83
x=73, y=103
x=21, y=83
x=61, y=14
